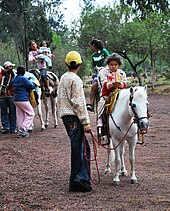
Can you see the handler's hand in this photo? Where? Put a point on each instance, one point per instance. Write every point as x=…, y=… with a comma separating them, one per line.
x=88, y=130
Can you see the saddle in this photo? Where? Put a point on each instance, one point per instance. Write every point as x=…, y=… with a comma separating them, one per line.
x=110, y=102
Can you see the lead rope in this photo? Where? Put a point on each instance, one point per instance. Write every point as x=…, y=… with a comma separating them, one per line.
x=92, y=160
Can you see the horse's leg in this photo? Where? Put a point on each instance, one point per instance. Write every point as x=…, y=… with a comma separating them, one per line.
x=110, y=157
x=122, y=158
x=47, y=113
x=31, y=127
x=132, y=145
x=39, y=110
x=54, y=110
x=116, y=179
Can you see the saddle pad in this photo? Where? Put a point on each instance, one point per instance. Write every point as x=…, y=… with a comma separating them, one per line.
x=109, y=106
x=33, y=99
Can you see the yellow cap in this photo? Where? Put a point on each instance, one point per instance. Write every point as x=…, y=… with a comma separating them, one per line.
x=73, y=56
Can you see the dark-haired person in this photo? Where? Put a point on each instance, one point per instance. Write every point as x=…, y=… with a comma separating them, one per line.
x=25, y=112
x=73, y=111
x=99, y=55
x=44, y=52
x=39, y=63
x=8, y=110
x=112, y=78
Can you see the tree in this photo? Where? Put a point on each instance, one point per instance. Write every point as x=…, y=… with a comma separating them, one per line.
x=36, y=21
x=126, y=34
x=145, y=7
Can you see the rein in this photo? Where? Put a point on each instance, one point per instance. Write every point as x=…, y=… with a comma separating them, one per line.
x=136, y=118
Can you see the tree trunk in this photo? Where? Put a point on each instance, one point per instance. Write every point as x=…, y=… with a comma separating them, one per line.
x=17, y=51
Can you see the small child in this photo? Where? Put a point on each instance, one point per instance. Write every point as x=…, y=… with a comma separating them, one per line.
x=44, y=54
x=25, y=112
x=40, y=64
x=111, y=78
x=98, y=57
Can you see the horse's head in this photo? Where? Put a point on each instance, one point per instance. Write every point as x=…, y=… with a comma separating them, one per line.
x=54, y=82
x=6, y=77
x=139, y=106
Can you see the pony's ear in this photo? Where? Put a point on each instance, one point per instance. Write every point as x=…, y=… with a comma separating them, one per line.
x=131, y=96
x=146, y=87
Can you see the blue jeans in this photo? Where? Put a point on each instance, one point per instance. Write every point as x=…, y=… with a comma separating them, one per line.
x=80, y=166
x=8, y=113
x=43, y=73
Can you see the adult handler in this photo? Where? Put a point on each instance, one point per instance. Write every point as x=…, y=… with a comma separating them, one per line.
x=73, y=111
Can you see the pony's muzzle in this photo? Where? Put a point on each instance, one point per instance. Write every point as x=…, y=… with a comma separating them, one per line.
x=143, y=125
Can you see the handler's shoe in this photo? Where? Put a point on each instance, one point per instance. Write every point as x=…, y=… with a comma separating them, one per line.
x=4, y=130
x=23, y=133
x=83, y=185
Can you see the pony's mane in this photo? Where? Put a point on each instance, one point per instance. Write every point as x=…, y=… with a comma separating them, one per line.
x=140, y=92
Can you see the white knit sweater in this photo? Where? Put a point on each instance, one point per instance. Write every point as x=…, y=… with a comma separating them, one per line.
x=71, y=98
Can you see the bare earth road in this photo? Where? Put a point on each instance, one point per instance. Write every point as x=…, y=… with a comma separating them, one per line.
x=34, y=171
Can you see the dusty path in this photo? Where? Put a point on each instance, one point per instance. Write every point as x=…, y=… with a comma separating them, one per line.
x=34, y=172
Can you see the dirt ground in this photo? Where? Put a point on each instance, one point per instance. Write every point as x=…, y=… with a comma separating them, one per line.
x=34, y=171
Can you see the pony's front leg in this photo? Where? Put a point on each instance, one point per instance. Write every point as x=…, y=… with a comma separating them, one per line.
x=47, y=113
x=39, y=110
x=116, y=179
x=110, y=157
x=123, y=170
x=132, y=145
x=54, y=110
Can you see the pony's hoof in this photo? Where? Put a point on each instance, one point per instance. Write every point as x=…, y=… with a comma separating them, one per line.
x=116, y=183
x=55, y=126
x=46, y=126
x=134, y=181
x=107, y=171
x=42, y=129
x=124, y=174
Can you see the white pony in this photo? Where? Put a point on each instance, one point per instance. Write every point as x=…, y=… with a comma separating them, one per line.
x=54, y=81
x=53, y=86
x=129, y=114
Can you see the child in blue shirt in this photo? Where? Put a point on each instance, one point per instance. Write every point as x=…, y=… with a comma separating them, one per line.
x=25, y=112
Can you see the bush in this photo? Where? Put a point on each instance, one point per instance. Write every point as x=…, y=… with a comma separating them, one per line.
x=167, y=75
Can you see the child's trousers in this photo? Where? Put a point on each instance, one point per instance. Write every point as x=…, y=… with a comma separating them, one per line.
x=25, y=114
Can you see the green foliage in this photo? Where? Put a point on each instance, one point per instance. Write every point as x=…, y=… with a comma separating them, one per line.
x=145, y=7
x=20, y=18
x=167, y=75
x=122, y=31
x=8, y=52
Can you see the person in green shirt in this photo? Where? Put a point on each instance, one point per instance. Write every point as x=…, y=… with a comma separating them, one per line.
x=98, y=57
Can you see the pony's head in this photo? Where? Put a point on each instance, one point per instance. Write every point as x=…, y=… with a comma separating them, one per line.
x=139, y=106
